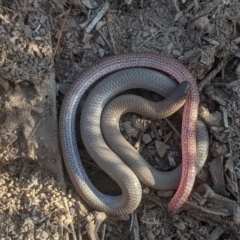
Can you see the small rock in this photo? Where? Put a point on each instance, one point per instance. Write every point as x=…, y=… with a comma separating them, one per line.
x=150, y=235
x=87, y=37
x=43, y=19
x=171, y=158
x=68, y=35
x=160, y=132
x=176, y=53
x=56, y=236
x=180, y=225
x=161, y=148
x=145, y=34
x=71, y=22
x=89, y=4
x=87, y=46
x=100, y=24
x=39, y=110
x=94, y=50
x=44, y=235
x=70, y=45
x=202, y=23
x=129, y=129
x=146, y=138
x=216, y=233
x=135, y=33
x=178, y=16
x=153, y=30
x=156, y=232
x=146, y=190
x=101, y=52
x=100, y=41
x=154, y=132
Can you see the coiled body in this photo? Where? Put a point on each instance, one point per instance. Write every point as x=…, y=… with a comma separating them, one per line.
x=121, y=205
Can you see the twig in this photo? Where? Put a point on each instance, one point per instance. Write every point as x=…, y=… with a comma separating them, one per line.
x=80, y=232
x=203, y=14
x=71, y=223
x=61, y=227
x=91, y=231
x=176, y=5
x=19, y=8
x=103, y=231
x=206, y=81
x=7, y=9
x=24, y=167
x=140, y=46
x=111, y=36
x=196, y=5
x=136, y=235
x=131, y=222
x=155, y=22
x=96, y=19
x=61, y=31
x=225, y=116
x=173, y=128
x=34, y=130
x=105, y=39
x=67, y=236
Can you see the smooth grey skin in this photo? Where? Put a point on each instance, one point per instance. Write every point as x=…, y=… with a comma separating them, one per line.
x=147, y=174
x=129, y=200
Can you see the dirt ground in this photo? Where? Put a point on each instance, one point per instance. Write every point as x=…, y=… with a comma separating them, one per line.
x=44, y=45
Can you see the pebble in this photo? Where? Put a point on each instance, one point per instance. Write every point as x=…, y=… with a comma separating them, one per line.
x=101, y=52
x=150, y=235
x=87, y=37
x=100, y=41
x=160, y=132
x=129, y=129
x=161, y=148
x=100, y=24
x=43, y=235
x=153, y=30
x=145, y=34
x=146, y=190
x=202, y=23
x=156, y=232
x=146, y=138
x=180, y=225
x=87, y=46
x=176, y=53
